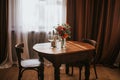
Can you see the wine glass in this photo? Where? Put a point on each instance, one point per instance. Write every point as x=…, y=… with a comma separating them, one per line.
x=50, y=37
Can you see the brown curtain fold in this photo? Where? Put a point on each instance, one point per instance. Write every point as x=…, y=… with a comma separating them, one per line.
x=112, y=33
x=33, y=38
x=98, y=20
x=3, y=29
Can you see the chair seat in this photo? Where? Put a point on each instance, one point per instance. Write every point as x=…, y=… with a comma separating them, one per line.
x=30, y=63
x=27, y=64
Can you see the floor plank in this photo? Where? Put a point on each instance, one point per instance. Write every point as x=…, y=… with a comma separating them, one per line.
x=104, y=73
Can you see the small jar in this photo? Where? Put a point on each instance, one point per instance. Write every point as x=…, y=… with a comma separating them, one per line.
x=53, y=44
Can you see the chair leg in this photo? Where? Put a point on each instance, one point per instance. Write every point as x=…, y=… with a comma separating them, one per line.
x=95, y=71
x=94, y=65
x=38, y=74
x=19, y=74
x=68, y=71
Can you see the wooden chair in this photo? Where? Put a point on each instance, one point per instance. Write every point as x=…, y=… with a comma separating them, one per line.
x=80, y=65
x=28, y=64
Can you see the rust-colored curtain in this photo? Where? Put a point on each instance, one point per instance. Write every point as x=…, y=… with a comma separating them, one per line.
x=3, y=29
x=98, y=20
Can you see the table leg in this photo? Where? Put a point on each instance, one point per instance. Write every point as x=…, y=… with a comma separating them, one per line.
x=87, y=71
x=41, y=68
x=56, y=71
x=67, y=69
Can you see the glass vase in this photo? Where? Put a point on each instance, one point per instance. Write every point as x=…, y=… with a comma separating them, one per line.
x=63, y=43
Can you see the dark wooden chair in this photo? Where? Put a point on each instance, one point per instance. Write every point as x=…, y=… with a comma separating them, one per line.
x=83, y=63
x=28, y=64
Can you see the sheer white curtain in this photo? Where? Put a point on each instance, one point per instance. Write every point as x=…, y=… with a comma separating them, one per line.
x=31, y=18
x=42, y=15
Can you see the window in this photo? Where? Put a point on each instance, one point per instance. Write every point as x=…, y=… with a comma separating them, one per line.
x=41, y=15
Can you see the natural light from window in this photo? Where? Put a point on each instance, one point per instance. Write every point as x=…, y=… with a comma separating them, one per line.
x=42, y=15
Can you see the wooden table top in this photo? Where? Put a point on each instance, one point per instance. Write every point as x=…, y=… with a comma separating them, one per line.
x=71, y=47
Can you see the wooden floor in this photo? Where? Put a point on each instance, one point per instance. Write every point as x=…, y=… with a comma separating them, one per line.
x=104, y=73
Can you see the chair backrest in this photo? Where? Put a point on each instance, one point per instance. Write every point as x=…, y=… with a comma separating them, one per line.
x=90, y=41
x=94, y=43
x=19, y=50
